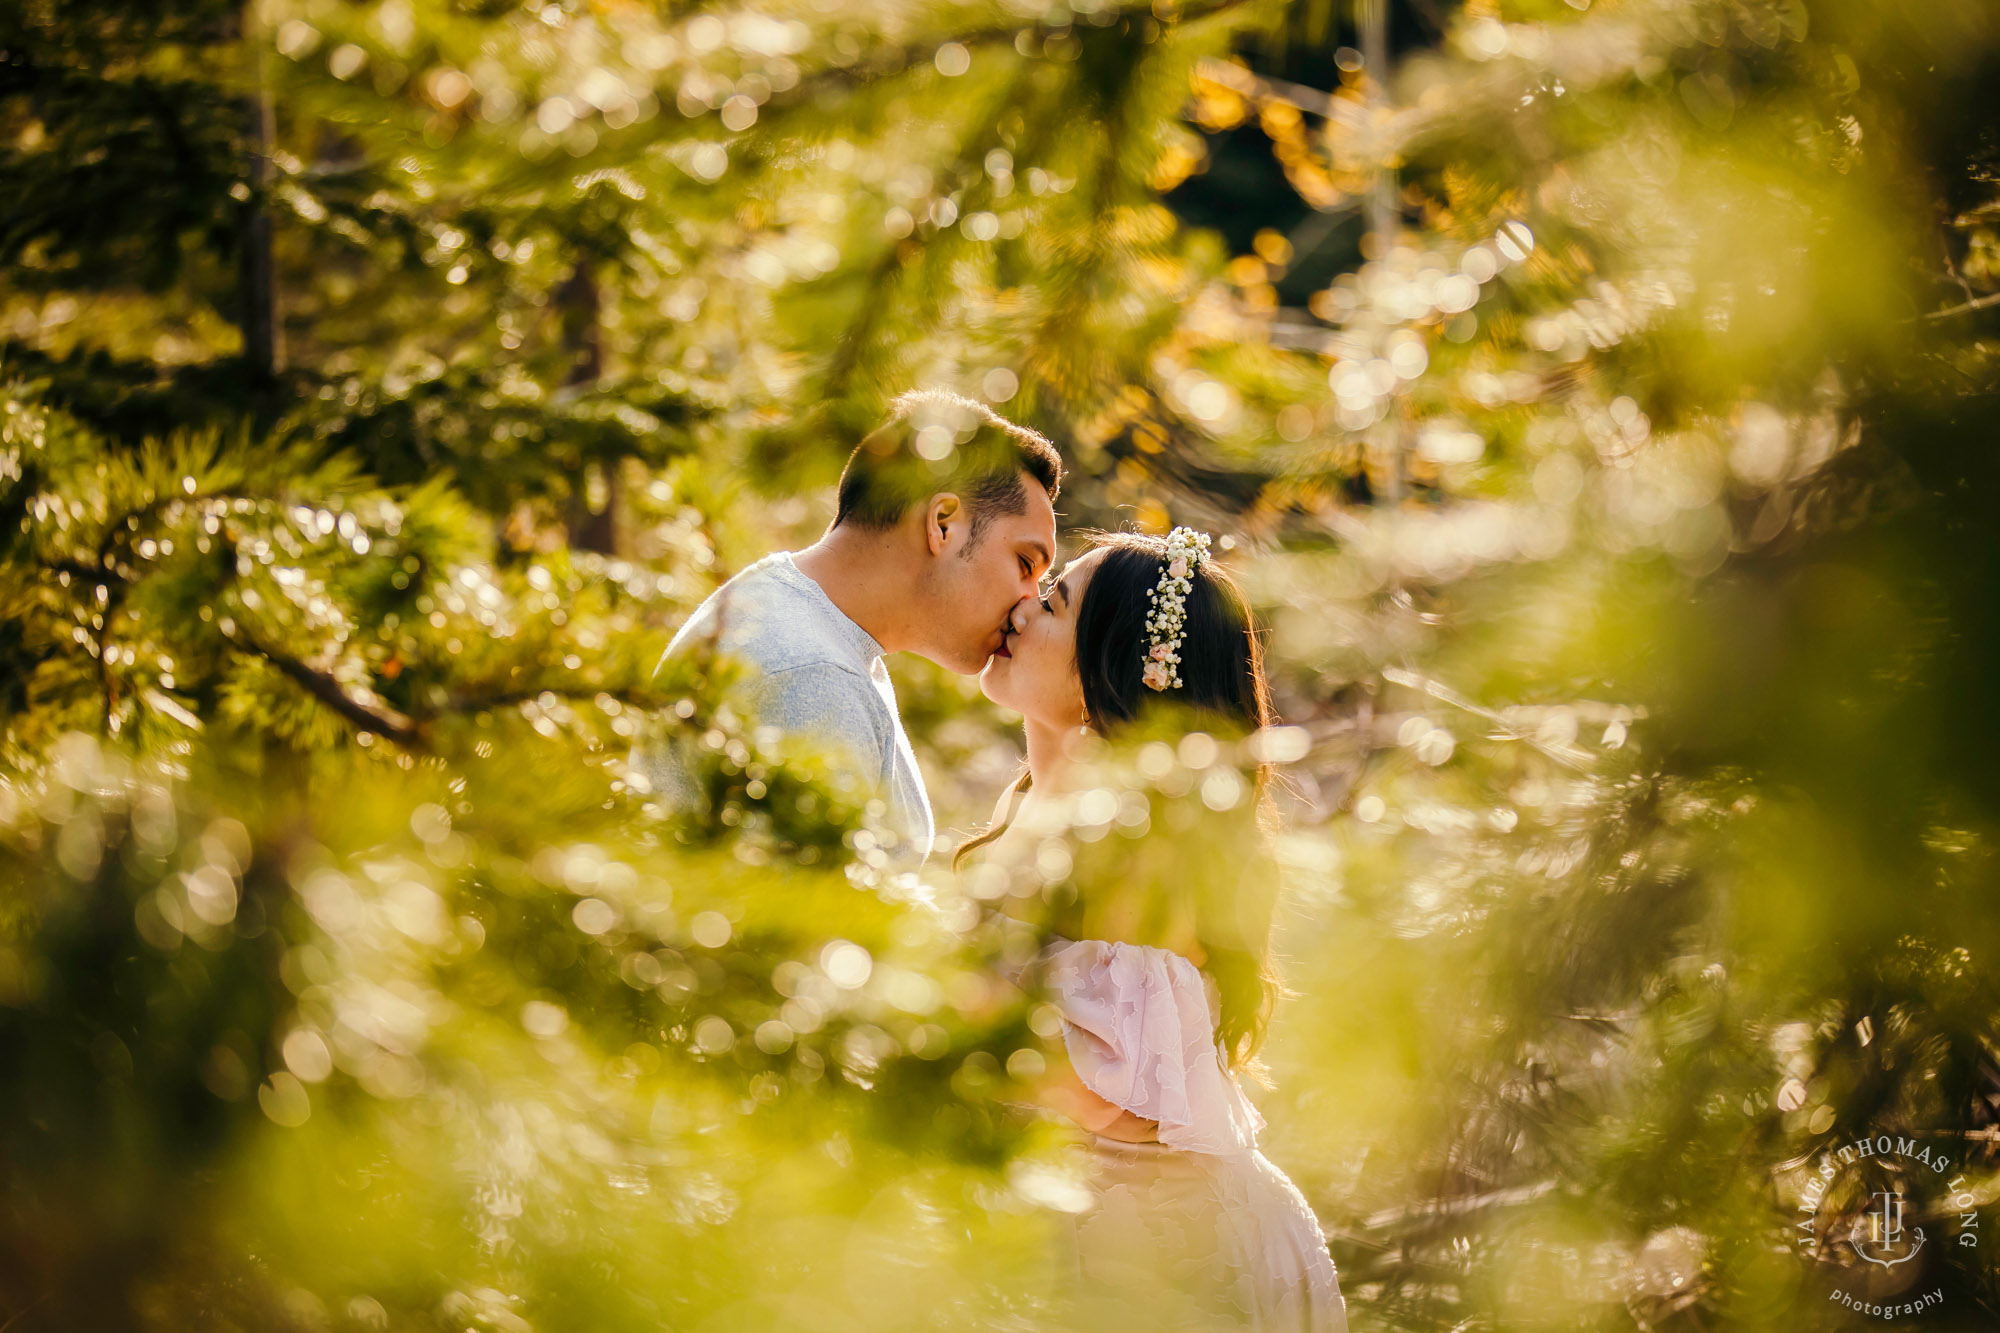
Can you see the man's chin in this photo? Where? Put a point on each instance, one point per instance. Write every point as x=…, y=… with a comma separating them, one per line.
x=984, y=662
x=958, y=666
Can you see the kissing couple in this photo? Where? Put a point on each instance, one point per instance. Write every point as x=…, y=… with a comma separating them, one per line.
x=942, y=545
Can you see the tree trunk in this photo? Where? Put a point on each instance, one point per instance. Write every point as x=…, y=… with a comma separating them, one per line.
x=257, y=285
x=578, y=303
x=1372, y=18
x=1384, y=218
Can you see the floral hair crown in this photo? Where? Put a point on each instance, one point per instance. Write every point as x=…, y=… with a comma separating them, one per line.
x=1186, y=549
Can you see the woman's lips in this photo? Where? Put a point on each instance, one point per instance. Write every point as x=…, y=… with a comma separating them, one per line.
x=1003, y=650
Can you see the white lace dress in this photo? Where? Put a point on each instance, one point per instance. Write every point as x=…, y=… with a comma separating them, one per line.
x=1199, y=1230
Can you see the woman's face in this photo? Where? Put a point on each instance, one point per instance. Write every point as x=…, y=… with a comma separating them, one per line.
x=1034, y=673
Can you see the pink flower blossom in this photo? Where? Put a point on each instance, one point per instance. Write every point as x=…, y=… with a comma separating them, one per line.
x=1156, y=675
x=1160, y=651
x=1178, y=567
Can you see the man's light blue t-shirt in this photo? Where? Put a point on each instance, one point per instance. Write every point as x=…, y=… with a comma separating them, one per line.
x=810, y=671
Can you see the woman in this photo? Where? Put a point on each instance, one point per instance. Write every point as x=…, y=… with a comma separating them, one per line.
x=1160, y=968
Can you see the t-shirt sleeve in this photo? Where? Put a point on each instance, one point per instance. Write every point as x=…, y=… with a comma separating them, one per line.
x=817, y=707
x=825, y=705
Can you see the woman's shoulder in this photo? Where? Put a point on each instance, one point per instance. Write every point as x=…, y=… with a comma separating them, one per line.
x=1144, y=916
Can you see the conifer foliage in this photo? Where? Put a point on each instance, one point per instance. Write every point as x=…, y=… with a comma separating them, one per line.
x=1596, y=395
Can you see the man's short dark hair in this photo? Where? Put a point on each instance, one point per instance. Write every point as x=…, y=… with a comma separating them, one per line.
x=935, y=441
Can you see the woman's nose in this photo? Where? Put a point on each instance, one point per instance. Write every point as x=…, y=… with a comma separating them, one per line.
x=1015, y=618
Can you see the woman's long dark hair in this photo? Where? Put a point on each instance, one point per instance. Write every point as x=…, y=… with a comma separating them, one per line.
x=1221, y=666
x=1222, y=678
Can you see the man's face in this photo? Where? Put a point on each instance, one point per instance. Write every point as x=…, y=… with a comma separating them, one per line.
x=974, y=584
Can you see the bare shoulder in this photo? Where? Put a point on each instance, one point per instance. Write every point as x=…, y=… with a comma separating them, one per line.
x=1153, y=921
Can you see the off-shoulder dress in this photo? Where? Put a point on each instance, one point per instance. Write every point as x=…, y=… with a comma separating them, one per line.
x=1199, y=1230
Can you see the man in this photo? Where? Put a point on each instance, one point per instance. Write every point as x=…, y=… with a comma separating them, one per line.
x=946, y=520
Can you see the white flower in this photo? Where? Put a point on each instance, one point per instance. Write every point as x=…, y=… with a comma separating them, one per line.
x=1186, y=548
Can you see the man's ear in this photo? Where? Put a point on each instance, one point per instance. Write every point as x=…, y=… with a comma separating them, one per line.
x=942, y=517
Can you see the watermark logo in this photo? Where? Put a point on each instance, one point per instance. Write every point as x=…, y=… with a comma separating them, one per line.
x=1887, y=1242
x=1869, y=1209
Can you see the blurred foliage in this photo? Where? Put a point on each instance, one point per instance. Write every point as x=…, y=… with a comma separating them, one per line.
x=1597, y=398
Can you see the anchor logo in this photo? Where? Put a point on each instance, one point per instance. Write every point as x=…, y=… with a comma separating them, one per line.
x=1887, y=1243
